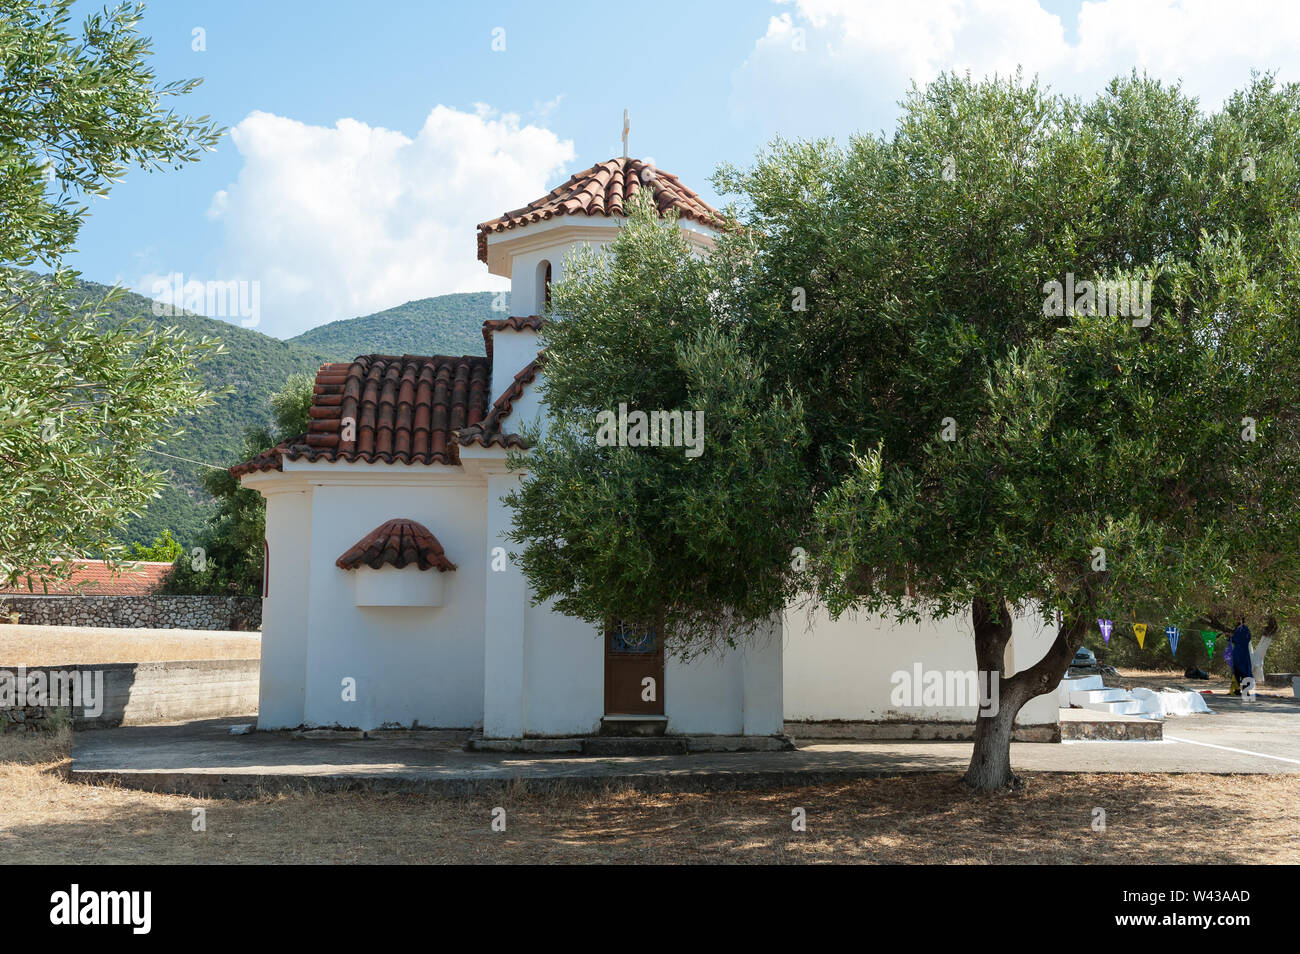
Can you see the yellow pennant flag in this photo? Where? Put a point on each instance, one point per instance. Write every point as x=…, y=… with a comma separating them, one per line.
x=1140, y=631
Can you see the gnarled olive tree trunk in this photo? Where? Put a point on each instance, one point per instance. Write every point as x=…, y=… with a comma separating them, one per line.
x=990, y=763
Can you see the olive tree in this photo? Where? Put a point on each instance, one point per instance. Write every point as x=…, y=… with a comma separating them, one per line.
x=79, y=399
x=1025, y=352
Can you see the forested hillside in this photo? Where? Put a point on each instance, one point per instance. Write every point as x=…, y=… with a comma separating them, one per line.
x=256, y=365
x=448, y=324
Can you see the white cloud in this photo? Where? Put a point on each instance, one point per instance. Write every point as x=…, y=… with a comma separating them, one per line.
x=544, y=110
x=348, y=220
x=858, y=59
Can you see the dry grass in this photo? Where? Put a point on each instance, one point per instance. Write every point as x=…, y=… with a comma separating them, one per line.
x=24, y=645
x=1165, y=819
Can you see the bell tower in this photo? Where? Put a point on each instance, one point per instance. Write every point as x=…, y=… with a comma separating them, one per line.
x=531, y=245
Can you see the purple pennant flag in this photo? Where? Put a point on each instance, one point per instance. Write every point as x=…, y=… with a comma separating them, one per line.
x=1106, y=626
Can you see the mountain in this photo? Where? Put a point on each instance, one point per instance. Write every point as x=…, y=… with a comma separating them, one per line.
x=255, y=366
x=448, y=324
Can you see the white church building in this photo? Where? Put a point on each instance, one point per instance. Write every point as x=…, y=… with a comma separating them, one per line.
x=390, y=599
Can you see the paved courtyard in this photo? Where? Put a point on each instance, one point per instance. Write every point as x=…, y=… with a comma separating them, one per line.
x=1260, y=737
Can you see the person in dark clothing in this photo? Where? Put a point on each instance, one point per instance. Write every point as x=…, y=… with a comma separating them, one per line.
x=1241, y=664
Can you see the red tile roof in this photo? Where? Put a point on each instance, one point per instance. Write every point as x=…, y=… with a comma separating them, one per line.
x=605, y=189
x=271, y=459
x=489, y=432
x=94, y=578
x=403, y=409
x=397, y=543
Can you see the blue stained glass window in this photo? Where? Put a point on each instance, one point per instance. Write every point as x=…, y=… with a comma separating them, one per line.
x=629, y=639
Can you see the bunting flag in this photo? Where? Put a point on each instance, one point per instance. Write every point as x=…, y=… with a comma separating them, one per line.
x=1140, y=631
x=1172, y=633
x=1208, y=636
x=1105, y=625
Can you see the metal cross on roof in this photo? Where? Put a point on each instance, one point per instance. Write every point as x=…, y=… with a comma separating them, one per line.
x=626, y=128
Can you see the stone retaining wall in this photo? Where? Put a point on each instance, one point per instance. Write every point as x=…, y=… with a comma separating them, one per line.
x=130, y=693
x=898, y=731
x=147, y=612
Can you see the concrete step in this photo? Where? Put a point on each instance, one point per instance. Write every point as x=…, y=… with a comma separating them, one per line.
x=1084, y=682
x=612, y=745
x=633, y=725
x=1077, y=684
x=1088, y=725
x=1147, y=706
x=607, y=745
x=1121, y=707
x=1088, y=696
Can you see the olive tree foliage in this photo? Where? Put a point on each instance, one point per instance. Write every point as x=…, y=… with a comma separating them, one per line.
x=957, y=427
x=78, y=400
x=229, y=556
x=1095, y=461
x=697, y=544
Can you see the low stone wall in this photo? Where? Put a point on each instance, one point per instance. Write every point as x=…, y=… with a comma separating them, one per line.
x=896, y=731
x=101, y=696
x=148, y=612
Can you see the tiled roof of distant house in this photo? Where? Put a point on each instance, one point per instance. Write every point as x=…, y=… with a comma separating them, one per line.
x=94, y=578
x=397, y=543
x=606, y=189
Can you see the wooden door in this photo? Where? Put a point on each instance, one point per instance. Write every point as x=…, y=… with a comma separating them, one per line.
x=634, y=670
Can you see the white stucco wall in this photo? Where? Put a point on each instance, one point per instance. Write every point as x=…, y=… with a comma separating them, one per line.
x=282, y=686
x=564, y=674
x=529, y=408
x=512, y=351
x=526, y=297
x=731, y=692
x=506, y=596
x=486, y=656
x=515, y=254
x=523, y=250
x=411, y=664
x=842, y=669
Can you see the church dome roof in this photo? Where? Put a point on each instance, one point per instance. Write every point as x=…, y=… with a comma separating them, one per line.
x=606, y=189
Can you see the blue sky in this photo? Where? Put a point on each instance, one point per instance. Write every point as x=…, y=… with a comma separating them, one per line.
x=367, y=140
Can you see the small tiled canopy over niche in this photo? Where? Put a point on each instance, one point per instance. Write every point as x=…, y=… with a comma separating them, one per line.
x=398, y=543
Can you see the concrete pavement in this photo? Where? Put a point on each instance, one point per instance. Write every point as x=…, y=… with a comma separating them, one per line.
x=204, y=758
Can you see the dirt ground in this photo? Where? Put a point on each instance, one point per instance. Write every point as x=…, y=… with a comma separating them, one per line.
x=1157, y=819
x=24, y=645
